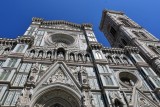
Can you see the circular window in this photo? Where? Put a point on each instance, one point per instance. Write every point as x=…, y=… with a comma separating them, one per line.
x=128, y=79
x=60, y=38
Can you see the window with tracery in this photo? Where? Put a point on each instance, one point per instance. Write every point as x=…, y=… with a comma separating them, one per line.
x=125, y=60
x=117, y=59
x=125, y=22
x=155, y=49
x=109, y=59
x=139, y=34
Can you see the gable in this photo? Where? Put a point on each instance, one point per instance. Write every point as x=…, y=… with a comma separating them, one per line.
x=58, y=73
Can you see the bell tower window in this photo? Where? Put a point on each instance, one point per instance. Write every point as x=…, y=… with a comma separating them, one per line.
x=113, y=31
x=124, y=42
x=139, y=34
x=125, y=22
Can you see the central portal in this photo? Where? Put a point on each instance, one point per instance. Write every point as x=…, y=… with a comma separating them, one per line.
x=57, y=98
x=57, y=105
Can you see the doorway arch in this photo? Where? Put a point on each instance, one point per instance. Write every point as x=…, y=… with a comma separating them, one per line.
x=56, y=96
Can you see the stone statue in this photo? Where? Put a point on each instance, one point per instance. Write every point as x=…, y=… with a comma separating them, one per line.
x=34, y=71
x=87, y=58
x=71, y=57
x=79, y=58
x=49, y=55
x=25, y=97
x=60, y=55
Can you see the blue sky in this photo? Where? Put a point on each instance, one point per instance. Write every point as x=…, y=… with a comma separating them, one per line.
x=16, y=14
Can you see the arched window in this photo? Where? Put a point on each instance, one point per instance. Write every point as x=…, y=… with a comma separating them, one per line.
x=98, y=55
x=124, y=42
x=125, y=60
x=32, y=52
x=109, y=59
x=139, y=34
x=125, y=22
x=136, y=33
x=154, y=49
x=113, y=31
x=142, y=35
x=118, y=61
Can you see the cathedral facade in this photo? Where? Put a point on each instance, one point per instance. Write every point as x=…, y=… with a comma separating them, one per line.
x=56, y=63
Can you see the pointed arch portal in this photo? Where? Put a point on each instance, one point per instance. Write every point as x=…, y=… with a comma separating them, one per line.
x=56, y=97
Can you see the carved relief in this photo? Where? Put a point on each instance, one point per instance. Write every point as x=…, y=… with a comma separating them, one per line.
x=34, y=73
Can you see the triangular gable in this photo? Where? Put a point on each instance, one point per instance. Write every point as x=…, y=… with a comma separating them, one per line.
x=145, y=100
x=58, y=73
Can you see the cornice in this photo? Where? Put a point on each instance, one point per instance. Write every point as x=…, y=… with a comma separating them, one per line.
x=56, y=22
x=113, y=50
x=7, y=41
x=104, y=13
x=121, y=50
x=131, y=49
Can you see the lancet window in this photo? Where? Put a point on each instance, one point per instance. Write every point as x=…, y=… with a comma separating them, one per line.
x=118, y=60
x=109, y=59
x=125, y=60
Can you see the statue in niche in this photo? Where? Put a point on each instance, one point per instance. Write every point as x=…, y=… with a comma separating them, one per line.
x=40, y=54
x=49, y=55
x=32, y=54
x=25, y=97
x=60, y=55
x=72, y=57
x=84, y=75
x=34, y=71
x=79, y=57
x=87, y=58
